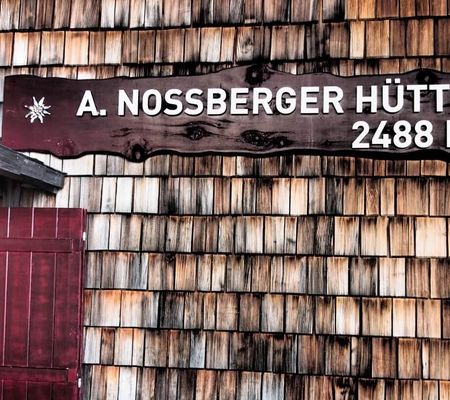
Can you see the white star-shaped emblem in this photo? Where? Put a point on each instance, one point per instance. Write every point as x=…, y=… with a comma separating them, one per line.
x=38, y=110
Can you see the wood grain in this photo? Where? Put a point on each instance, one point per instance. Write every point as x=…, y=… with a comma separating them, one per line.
x=136, y=139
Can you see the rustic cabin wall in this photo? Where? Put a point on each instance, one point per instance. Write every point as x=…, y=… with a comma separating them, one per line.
x=286, y=277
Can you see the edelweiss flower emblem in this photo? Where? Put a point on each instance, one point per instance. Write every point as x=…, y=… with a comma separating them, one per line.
x=38, y=110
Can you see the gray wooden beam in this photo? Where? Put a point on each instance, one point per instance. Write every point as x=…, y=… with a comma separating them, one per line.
x=19, y=167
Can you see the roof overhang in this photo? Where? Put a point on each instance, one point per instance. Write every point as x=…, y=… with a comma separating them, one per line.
x=18, y=167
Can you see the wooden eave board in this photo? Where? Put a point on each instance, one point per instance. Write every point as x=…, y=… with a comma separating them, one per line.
x=19, y=167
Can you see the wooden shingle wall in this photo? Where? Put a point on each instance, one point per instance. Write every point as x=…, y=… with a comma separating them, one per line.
x=290, y=277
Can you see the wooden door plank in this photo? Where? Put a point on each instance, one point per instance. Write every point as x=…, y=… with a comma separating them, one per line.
x=66, y=333
x=17, y=309
x=39, y=390
x=20, y=222
x=41, y=309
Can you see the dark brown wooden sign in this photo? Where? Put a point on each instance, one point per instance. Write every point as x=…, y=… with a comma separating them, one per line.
x=245, y=110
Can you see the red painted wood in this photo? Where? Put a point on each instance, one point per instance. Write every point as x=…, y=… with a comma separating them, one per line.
x=39, y=390
x=41, y=315
x=20, y=222
x=66, y=339
x=41, y=245
x=17, y=309
x=3, y=270
x=40, y=290
x=13, y=390
x=70, y=224
x=53, y=375
x=44, y=223
x=64, y=392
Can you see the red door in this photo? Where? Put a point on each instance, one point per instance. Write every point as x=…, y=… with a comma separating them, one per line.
x=41, y=260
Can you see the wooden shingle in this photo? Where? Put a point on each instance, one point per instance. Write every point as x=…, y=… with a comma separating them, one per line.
x=311, y=350
x=337, y=276
x=325, y=315
x=364, y=276
x=439, y=278
x=52, y=50
x=79, y=18
x=367, y=9
x=275, y=11
x=334, y=196
x=372, y=196
x=316, y=275
x=260, y=270
x=315, y=235
x=417, y=277
x=249, y=312
x=10, y=11
x=408, y=359
x=387, y=8
x=357, y=39
x=76, y=48
x=404, y=317
x=430, y=237
x=155, y=348
x=210, y=43
x=387, y=195
x=272, y=310
x=169, y=46
x=384, y=358
x=428, y=318
x=113, y=47
x=412, y=196
x=337, y=355
x=20, y=49
x=439, y=357
x=274, y=235
x=420, y=37
x=401, y=235
x=172, y=315
x=392, y=276
x=346, y=236
x=299, y=314
x=333, y=10
x=227, y=44
x=374, y=240
x=227, y=311
x=439, y=190
x=339, y=40
x=249, y=235
x=217, y=348
x=193, y=310
x=377, y=39
x=347, y=316
x=153, y=13
x=304, y=11
x=107, y=345
x=377, y=316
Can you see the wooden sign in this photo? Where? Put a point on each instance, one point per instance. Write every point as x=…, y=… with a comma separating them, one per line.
x=246, y=110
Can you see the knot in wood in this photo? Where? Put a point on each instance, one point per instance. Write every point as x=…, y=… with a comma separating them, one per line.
x=257, y=138
x=256, y=74
x=265, y=139
x=426, y=77
x=196, y=132
x=137, y=153
x=281, y=141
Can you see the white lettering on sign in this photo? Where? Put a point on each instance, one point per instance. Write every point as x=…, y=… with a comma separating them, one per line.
x=389, y=98
x=87, y=105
